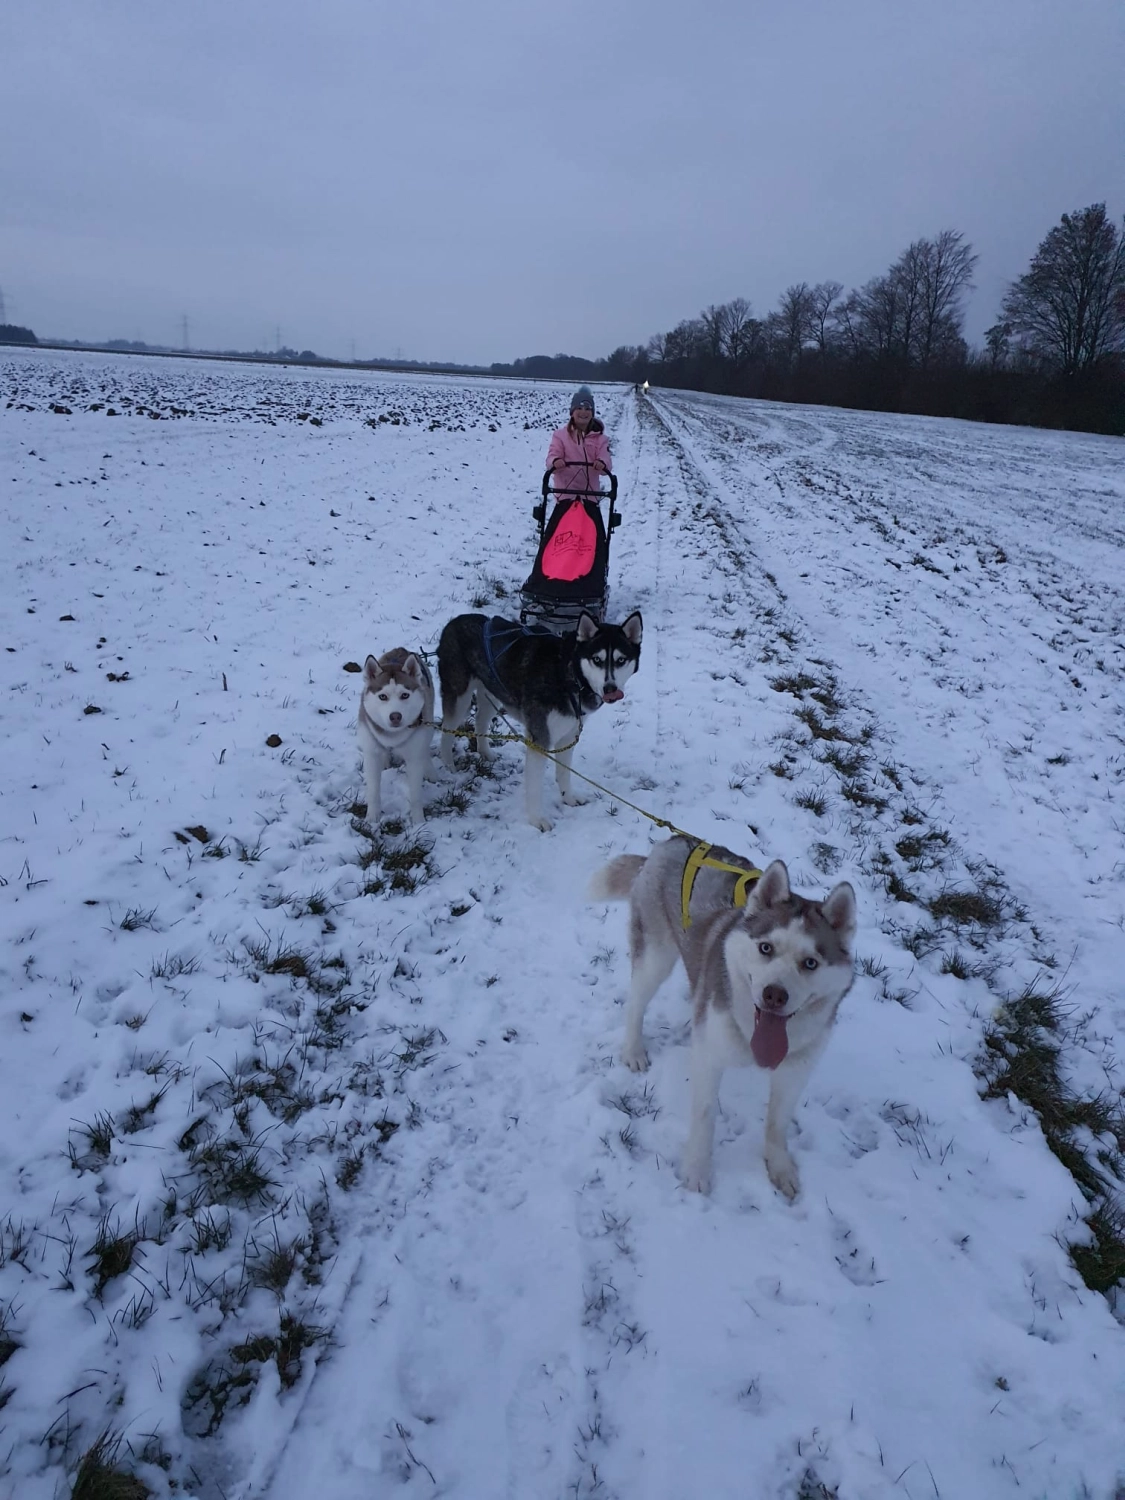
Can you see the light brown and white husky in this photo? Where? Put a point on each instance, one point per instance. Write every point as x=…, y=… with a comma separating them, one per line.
x=766, y=976
x=396, y=718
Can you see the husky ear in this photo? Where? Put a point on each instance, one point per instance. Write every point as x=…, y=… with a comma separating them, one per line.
x=410, y=668
x=632, y=628
x=838, y=909
x=773, y=887
x=371, y=671
x=588, y=627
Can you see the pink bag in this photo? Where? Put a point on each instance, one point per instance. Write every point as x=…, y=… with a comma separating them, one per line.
x=570, y=552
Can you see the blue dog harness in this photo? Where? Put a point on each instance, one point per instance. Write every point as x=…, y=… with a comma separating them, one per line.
x=499, y=637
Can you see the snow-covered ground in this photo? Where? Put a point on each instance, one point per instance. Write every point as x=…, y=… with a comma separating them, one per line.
x=318, y=1170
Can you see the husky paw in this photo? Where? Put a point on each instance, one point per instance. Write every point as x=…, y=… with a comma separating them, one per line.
x=695, y=1174
x=634, y=1056
x=783, y=1173
x=544, y=825
x=572, y=799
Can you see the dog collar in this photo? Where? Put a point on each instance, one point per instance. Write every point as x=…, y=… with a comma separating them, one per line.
x=700, y=856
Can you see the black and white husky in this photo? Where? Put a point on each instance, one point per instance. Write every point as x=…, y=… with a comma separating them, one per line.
x=767, y=978
x=549, y=683
x=396, y=718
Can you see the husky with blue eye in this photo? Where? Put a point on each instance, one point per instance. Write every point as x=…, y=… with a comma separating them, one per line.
x=549, y=682
x=396, y=719
x=768, y=970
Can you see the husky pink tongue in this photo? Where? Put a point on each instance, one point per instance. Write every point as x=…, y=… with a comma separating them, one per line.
x=612, y=695
x=770, y=1043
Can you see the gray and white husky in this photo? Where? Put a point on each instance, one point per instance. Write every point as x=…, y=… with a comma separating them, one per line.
x=766, y=978
x=551, y=683
x=396, y=718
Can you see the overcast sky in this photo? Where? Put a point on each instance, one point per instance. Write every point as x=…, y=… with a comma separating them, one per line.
x=477, y=180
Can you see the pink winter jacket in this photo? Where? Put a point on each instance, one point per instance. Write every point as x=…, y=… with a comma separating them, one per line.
x=578, y=472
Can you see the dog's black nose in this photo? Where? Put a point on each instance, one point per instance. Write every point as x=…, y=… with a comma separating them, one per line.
x=396, y=720
x=775, y=997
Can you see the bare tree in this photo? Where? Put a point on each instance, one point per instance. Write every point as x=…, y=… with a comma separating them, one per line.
x=712, y=322
x=823, y=297
x=626, y=362
x=1069, y=306
x=945, y=271
x=686, y=340
x=997, y=340
x=740, y=331
x=657, y=348
x=875, y=314
x=795, y=320
x=847, y=318
x=911, y=317
x=907, y=278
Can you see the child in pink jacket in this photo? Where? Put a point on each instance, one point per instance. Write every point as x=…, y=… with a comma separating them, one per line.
x=579, y=452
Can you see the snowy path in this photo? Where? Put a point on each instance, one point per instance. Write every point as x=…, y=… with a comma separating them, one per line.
x=676, y=1319
x=522, y=1301
x=973, y=587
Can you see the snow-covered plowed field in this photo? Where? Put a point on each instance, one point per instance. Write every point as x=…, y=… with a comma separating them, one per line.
x=318, y=1169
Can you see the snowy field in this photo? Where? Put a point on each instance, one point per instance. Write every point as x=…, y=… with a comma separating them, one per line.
x=318, y=1169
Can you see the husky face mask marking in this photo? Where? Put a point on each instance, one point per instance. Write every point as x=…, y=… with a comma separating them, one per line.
x=394, y=694
x=785, y=957
x=609, y=655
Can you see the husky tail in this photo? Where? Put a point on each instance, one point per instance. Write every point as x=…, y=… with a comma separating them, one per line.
x=614, y=881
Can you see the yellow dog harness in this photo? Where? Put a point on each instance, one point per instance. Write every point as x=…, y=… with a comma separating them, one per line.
x=699, y=857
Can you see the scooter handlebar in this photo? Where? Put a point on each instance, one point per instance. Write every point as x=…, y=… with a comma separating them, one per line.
x=549, y=489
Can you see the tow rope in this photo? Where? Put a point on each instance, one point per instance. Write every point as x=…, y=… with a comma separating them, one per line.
x=698, y=858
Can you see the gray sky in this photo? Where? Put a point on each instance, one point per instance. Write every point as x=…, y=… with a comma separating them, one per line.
x=478, y=180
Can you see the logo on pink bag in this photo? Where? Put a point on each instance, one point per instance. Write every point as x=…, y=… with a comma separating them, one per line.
x=570, y=552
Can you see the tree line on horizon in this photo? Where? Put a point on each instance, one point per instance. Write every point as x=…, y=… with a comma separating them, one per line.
x=1054, y=358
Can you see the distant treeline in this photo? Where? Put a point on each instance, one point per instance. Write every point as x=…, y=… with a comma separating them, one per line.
x=138, y=346
x=1054, y=358
x=283, y=356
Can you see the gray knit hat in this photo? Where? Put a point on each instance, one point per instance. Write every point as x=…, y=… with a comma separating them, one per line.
x=582, y=397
